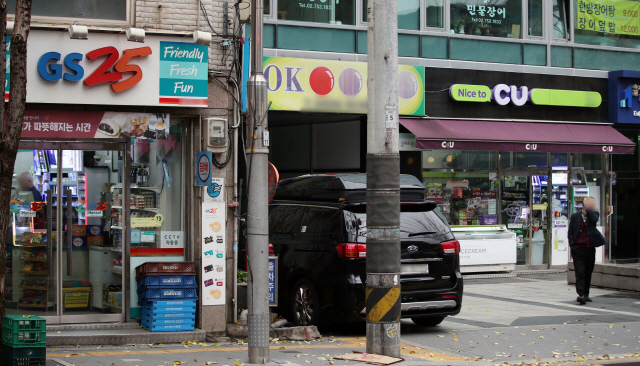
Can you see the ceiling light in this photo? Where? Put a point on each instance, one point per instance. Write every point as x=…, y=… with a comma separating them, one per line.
x=78, y=31
x=135, y=34
x=203, y=38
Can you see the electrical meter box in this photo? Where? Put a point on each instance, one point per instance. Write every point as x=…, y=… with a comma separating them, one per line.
x=216, y=134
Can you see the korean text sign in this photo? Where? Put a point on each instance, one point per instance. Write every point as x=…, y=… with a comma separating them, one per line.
x=608, y=16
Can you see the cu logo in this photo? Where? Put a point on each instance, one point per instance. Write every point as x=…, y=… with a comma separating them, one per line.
x=531, y=147
x=607, y=148
x=448, y=144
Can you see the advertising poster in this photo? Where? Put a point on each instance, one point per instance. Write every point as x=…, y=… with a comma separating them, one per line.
x=213, y=247
x=306, y=85
x=99, y=125
x=560, y=242
x=608, y=16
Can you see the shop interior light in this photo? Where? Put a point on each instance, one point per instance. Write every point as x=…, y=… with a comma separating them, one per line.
x=10, y=25
x=78, y=31
x=203, y=38
x=135, y=34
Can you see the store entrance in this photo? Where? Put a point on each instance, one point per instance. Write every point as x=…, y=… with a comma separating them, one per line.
x=525, y=209
x=64, y=252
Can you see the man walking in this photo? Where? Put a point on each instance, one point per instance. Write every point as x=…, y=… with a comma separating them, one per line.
x=584, y=238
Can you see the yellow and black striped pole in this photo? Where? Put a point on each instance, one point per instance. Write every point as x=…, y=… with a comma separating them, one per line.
x=383, y=181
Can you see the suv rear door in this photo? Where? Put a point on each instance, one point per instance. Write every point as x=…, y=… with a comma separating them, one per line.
x=424, y=264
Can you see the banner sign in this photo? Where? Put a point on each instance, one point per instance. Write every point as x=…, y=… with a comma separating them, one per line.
x=334, y=86
x=213, y=249
x=89, y=125
x=608, y=16
x=109, y=70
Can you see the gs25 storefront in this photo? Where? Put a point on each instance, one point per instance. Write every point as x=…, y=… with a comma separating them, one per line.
x=100, y=168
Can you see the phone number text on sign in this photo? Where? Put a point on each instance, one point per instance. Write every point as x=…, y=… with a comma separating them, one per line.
x=316, y=6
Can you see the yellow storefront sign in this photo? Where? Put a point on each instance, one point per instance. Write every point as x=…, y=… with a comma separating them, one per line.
x=334, y=86
x=155, y=221
x=609, y=16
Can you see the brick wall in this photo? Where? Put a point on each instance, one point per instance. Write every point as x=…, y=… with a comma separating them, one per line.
x=184, y=15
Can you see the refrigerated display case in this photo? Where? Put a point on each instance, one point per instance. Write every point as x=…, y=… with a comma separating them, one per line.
x=489, y=248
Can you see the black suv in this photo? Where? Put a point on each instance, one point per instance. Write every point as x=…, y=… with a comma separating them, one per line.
x=317, y=225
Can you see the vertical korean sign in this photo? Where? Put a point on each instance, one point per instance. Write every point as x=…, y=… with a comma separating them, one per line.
x=608, y=16
x=213, y=249
x=183, y=74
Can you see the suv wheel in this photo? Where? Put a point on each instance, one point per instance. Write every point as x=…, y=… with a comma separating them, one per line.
x=304, y=303
x=428, y=321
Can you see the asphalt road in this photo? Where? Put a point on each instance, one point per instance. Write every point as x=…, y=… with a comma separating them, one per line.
x=528, y=319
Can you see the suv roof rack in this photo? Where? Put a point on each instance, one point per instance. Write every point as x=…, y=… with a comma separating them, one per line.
x=350, y=188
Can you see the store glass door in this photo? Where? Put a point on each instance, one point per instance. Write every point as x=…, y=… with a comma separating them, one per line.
x=515, y=211
x=77, y=276
x=539, y=233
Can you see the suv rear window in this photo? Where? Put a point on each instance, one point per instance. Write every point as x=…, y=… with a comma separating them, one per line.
x=410, y=222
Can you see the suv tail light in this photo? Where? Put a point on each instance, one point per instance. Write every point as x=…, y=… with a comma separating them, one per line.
x=451, y=247
x=271, y=251
x=347, y=250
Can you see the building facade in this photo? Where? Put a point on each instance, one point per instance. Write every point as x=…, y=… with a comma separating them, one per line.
x=505, y=112
x=113, y=124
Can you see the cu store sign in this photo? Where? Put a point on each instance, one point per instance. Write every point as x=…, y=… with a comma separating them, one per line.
x=71, y=68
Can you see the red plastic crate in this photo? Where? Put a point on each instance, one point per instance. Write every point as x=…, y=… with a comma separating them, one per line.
x=165, y=268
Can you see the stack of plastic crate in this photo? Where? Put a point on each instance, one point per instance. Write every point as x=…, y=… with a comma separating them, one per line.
x=167, y=292
x=24, y=341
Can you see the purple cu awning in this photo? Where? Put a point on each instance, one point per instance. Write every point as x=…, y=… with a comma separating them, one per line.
x=517, y=136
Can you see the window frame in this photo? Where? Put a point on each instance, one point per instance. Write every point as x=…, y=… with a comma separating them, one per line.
x=423, y=18
x=274, y=6
x=525, y=20
x=567, y=19
x=129, y=21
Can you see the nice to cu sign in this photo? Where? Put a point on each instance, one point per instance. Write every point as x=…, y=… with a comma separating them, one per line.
x=503, y=95
x=109, y=70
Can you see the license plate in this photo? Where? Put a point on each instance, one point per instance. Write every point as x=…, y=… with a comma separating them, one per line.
x=412, y=269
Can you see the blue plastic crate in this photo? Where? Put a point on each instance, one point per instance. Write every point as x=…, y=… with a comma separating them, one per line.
x=185, y=281
x=150, y=294
x=170, y=303
x=168, y=315
x=175, y=321
x=169, y=310
x=168, y=328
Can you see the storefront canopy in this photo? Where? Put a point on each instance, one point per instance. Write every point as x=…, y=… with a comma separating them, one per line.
x=517, y=136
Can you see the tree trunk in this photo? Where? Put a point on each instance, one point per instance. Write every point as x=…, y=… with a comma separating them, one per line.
x=10, y=138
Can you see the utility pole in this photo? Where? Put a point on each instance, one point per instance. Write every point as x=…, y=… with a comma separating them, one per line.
x=383, y=182
x=258, y=203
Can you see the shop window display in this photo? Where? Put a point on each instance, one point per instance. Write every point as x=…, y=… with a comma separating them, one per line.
x=500, y=18
x=463, y=199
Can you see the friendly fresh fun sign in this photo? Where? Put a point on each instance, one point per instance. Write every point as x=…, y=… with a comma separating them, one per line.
x=183, y=73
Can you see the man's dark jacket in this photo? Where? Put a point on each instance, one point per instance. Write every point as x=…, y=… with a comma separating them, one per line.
x=595, y=237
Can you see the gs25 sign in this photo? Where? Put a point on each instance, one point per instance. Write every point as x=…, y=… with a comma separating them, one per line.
x=50, y=68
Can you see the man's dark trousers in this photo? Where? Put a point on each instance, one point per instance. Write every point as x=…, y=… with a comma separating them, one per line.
x=584, y=259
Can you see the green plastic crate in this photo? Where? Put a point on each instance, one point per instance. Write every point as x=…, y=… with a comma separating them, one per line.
x=28, y=356
x=19, y=331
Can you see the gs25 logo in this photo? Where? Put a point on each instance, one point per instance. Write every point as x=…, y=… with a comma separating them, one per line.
x=50, y=69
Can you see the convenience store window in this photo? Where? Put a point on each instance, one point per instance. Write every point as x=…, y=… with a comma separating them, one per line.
x=459, y=159
x=615, y=24
x=464, y=198
x=500, y=18
x=330, y=12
